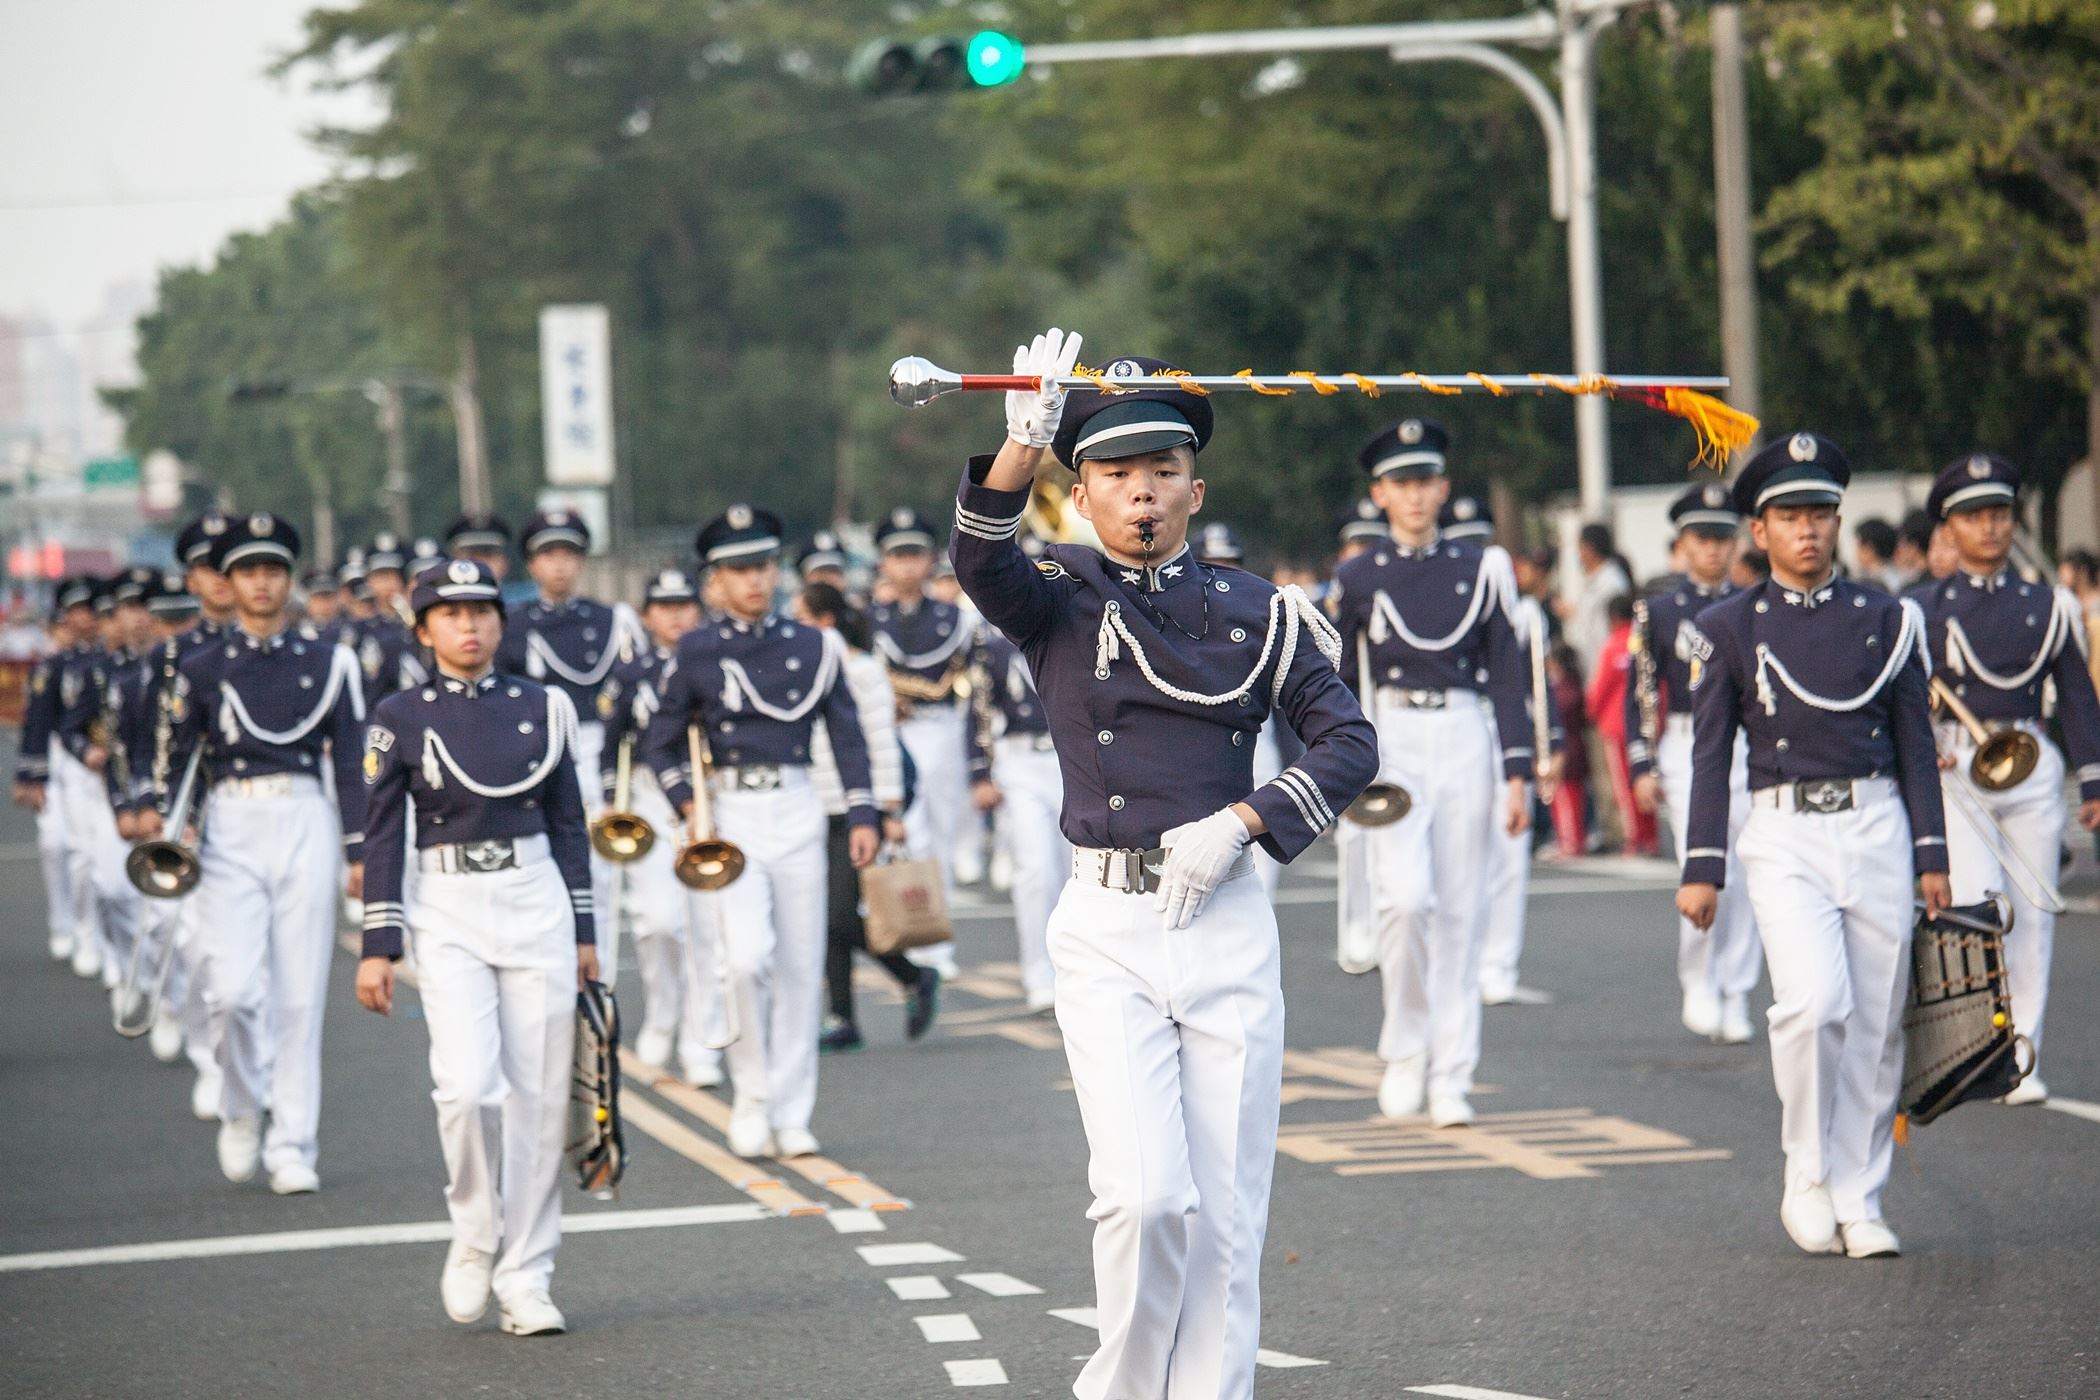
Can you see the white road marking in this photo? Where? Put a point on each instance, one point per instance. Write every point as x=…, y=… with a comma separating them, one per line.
x=354, y=1236
x=2077, y=1108
x=948, y=1327
x=915, y=1288
x=998, y=1285
x=855, y=1222
x=975, y=1373
x=1085, y=1317
x=1467, y=1392
x=881, y=1256
x=1280, y=1360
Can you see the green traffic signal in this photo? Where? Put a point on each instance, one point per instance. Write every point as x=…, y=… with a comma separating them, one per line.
x=995, y=59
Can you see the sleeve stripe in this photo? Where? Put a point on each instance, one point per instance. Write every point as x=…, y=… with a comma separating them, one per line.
x=1305, y=813
x=1705, y=852
x=990, y=522
x=1930, y=841
x=1301, y=779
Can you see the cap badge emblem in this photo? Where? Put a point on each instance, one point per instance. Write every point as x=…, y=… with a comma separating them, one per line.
x=1802, y=448
x=900, y=517
x=739, y=517
x=214, y=524
x=1464, y=508
x=1979, y=467
x=1411, y=431
x=1714, y=497
x=1125, y=369
x=463, y=571
x=261, y=523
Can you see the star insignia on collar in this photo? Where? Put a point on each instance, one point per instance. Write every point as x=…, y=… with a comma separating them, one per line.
x=1130, y=576
x=1171, y=571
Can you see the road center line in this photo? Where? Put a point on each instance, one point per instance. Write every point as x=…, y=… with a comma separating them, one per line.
x=1467, y=1392
x=948, y=1327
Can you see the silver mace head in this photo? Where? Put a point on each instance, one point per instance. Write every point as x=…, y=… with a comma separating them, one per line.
x=916, y=381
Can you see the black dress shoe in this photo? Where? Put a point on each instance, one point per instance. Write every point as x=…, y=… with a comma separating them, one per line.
x=923, y=1004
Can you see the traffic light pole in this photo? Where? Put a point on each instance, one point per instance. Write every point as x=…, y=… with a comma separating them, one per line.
x=1569, y=126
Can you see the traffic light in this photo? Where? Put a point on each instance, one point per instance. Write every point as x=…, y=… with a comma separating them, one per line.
x=938, y=63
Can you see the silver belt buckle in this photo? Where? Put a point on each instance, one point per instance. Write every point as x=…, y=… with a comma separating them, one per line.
x=1140, y=869
x=1824, y=795
x=758, y=777
x=483, y=857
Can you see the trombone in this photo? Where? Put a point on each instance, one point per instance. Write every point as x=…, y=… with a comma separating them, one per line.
x=622, y=835
x=2033, y=888
x=165, y=868
x=2004, y=757
x=705, y=861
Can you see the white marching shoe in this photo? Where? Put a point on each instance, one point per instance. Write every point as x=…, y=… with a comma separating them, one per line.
x=87, y=958
x=62, y=947
x=1810, y=1219
x=240, y=1144
x=1735, y=1020
x=1498, y=991
x=1869, y=1239
x=465, y=1283
x=750, y=1135
x=1400, y=1091
x=2029, y=1090
x=1450, y=1111
x=532, y=1315
x=206, y=1094
x=1701, y=1013
x=295, y=1179
x=701, y=1074
x=165, y=1039
x=794, y=1142
x=653, y=1047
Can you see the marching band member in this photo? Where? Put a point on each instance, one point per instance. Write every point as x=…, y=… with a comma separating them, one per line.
x=755, y=683
x=272, y=706
x=1472, y=520
x=570, y=642
x=104, y=893
x=483, y=537
x=357, y=593
x=822, y=605
x=676, y=957
x=36, y=786
x=214, y=594
x=1356, y=925
x=1157, y=673
x=383, y=639
x=1427, y=628
x=1013, y=769
x=823, y=560
x=1828, y=679
x=2001, y=644
x=1717, y=966
x=504, y=935
x=324, y=604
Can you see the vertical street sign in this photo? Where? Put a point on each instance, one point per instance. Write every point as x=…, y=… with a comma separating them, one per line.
x=576, y=394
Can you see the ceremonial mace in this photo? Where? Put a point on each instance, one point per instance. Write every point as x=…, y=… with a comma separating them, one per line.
x=915, y=381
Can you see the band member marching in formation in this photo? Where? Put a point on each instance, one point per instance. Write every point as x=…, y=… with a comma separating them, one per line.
x=268, y=707
x=1828, y=680
x=38, y=782
x=483, y=537
x=504, y=934
x=1157, y=673
x=754, y=683
x=1356, y=925
x=101, y=891
x=383, y=641
x=1717, y=966
x=2000, y=644
x=677, y=959
x=1427, y=627
x=570, y=642
x=1013, y=768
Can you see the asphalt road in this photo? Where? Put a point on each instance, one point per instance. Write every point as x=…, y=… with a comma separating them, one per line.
x=1608, y=1229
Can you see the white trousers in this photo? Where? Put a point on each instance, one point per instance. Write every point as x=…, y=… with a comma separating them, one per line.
x=1034, y=796
x=106, y=906
x=1175, y=1041
x=675, y=953
x=496, y=960
x=590, y=743
x=55, y=855
x=1355, y=916
x=773, y=918
x=1508, y=886
x=1832, y=895
x=1429, y=885
x=1721, y=960
x=186, y=1000
x=2032, y=816
x=266, y=933
x=933, y=736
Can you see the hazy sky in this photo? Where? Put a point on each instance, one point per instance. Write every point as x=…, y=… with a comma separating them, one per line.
x=139, y=133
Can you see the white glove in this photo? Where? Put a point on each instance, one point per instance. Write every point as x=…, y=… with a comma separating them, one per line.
x=1032, y=415
x=1198, y=855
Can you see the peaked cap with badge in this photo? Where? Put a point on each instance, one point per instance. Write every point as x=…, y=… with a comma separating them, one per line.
x=1098, y=425
x=1412, y=447
x=1972, y=483
x=1803, y=469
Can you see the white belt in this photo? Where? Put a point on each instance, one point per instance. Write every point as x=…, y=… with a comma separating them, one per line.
x=1136, y=872
x=484, y=857
x=1406, y=698
x=1677, y=724
x=760, y=777
x=1825, y=795
x=267, y=785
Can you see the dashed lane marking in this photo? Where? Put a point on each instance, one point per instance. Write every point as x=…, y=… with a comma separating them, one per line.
x=855, y=1222
x=984, y=1372
x=1279, y=1360
x=948, y=1327
x=883, y=1256
x=2077, y=1108
x=1467, y=1392
x=356, y=1236
x=917, y=1288
x=998, y=1285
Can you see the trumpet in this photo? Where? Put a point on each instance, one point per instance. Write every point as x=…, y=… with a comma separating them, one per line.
x=1382, y=803
x=2004, y=757
x=705, y=861
x=622, y=835
x=167, y=869
x=135, y=1004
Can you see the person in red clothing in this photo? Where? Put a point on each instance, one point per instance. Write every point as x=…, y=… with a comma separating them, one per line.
x=1571, y=790
x=1607, y=703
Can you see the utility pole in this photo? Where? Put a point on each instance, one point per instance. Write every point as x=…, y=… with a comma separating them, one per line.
x=465, y=390
x=1732, y=213
x=1578, y=92
x=386, y=395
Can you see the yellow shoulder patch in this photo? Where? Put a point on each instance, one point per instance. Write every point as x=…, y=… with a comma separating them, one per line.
x=371, y=765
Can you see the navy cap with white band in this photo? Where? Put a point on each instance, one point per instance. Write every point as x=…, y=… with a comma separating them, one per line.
x=1972, y=483
x=1466, y=518
x=194, y=543
x=1362, y=521
x=456, y=581
x=1706, y=508
x=671, y=586
x=824, y=551
x=903, y=528
x=1098, y=425
x=258, y=538
x=739, y=535
x=1805, y=469
x=477, y=530
x=1412, y=447
x=552, y=529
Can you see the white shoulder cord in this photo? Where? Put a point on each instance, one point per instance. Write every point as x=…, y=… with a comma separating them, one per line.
x=1962, y=659
x=737, y=686
x=234, y=717
x=561, y=734
x=1907, y=638
x=896, y=656
x=1386, y=619
x=1288, y=605
x=540, y=659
